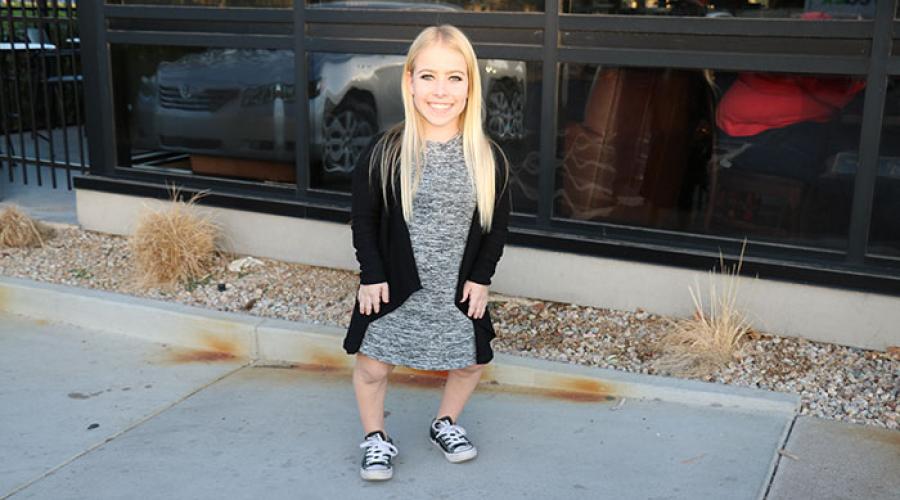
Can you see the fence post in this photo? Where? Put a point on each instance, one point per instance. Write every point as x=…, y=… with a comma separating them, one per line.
x=98, y=98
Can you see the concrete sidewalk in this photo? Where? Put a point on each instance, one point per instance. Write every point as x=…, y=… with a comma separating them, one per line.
x=172, y=424
x=88, y=414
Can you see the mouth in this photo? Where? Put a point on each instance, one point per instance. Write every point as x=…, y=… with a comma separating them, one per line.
x=440, y=106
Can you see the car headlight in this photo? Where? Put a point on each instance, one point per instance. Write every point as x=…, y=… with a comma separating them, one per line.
x=265, y=94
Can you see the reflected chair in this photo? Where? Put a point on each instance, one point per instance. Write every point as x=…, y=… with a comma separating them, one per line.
x=628, y=158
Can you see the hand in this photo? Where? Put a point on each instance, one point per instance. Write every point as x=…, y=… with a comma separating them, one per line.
x=477, y=296
x=370, y=297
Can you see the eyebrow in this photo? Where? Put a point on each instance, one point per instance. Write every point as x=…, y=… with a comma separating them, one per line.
x=429, y=70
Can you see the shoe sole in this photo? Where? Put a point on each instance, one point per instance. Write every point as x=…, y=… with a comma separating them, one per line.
x=376, y=475
x=456, y=458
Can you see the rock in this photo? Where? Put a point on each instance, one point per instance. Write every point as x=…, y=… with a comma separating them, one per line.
x=243, y=264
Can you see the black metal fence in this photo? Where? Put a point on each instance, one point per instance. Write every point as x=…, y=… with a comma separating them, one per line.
x=41, y=94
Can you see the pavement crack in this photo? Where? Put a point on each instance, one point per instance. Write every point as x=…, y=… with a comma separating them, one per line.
x=127, y=429
x=782, y=446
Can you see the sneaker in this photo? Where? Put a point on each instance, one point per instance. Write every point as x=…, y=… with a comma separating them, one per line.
x=452, y=440
x=376, y=461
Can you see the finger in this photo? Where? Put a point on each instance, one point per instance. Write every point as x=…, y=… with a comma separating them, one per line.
x=465, y=294
x=384, y=294
x=376, y=306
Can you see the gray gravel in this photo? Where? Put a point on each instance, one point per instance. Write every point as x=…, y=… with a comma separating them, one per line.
x=834, y=382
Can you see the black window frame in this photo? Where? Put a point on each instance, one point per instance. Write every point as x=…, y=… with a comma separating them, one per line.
x=877, y=56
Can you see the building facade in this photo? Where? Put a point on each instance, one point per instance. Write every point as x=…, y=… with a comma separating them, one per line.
x=641, y=131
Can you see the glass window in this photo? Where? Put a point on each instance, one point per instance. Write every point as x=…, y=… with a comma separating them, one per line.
x=206, y=111
x=285, y=4
x=447, y=5
x=755, y=155
x=807, y=9
x=354, y=96
x=884, y=230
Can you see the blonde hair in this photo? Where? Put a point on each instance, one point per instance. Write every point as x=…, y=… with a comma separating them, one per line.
x=402, y=147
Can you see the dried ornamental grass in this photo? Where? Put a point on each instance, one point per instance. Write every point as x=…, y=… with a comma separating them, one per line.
x=18, y=230
x=709, y=340
x=173, y=245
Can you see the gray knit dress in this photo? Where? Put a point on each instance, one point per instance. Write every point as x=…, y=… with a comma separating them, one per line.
x=428, y=331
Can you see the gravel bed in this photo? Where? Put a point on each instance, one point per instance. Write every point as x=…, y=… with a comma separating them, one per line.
x=833, y=381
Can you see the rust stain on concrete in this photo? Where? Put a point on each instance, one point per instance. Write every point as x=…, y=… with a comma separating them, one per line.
x=883, y=436
x=214, y=349
x=325, y=362
x=574, y=389
x=564, y=393
x=419, y=378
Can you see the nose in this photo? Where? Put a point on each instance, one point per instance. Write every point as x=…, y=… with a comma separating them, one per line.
x=441, y=87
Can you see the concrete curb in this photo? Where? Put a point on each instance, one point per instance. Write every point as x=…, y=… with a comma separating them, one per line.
x=272, y=341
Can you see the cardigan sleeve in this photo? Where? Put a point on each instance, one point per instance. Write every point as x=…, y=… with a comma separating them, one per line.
x=492, y=243
x=365, y=218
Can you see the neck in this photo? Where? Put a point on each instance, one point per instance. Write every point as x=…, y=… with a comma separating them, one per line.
x=442, y=134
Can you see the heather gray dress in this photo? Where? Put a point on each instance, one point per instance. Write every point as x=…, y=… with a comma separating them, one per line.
x=428, y=331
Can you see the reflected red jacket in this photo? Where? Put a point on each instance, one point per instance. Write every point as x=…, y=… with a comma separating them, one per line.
x=757, y=102
x=384, y=251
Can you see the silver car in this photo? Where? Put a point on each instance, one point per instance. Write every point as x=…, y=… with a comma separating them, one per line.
x=240, y=103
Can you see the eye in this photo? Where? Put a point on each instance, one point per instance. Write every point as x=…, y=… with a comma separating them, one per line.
x=426, y=76
x=456, y=78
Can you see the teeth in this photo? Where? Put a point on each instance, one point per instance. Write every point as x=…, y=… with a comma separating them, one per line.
x=440, y=106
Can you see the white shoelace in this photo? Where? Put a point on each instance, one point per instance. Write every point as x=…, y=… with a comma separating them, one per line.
x=451, y=434
x=378, y=450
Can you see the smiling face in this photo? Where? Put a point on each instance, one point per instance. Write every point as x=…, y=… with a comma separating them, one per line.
x=439, y=84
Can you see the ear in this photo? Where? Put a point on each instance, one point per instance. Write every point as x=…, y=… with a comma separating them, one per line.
x=408, y=83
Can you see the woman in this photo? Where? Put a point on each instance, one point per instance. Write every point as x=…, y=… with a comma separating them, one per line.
x=429, y=221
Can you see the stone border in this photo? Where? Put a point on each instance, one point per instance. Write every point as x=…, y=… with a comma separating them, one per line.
x=268, y=341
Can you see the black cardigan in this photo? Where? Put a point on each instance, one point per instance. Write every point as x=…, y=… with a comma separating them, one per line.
x=384, y=251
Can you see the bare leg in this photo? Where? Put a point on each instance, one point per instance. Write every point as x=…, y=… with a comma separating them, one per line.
x=370, y=378
x=460, y=384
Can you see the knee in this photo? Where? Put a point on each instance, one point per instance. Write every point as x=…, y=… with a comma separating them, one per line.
x=370, y=371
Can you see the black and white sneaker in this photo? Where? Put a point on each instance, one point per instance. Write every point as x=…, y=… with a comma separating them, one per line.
x=452, y=440
x=376, y=461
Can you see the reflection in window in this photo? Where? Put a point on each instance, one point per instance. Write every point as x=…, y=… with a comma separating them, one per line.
x=808, y=9
x=450, y=5
x=286, y=4
x=354, y=96
x=221, y=112
x=744, y=154
x=884, y=230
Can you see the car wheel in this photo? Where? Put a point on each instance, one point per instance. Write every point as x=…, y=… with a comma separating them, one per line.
x=506, y=110
x=348, y=129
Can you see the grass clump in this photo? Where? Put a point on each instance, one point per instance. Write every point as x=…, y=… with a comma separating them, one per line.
x=173, y=245
x=18, y=230
x=715, y=335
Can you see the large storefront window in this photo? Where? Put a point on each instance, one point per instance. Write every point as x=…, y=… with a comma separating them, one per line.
x=354, y=96
x=755, y=155
x=810, y=9
x=206, y=111
x=884, y=230
x=450, y=5
x=286, y=4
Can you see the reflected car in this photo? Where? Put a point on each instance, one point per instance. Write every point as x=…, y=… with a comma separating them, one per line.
x=241, y=103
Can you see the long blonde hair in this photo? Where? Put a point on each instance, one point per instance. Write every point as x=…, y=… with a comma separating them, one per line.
x=402, y=147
